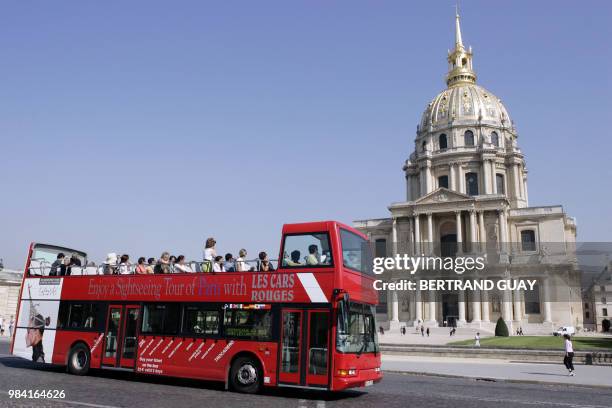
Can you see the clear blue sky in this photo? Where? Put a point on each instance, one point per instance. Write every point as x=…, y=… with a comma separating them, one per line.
x=143, y=126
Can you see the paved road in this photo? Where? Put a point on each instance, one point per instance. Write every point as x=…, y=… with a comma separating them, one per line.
x=118, y=389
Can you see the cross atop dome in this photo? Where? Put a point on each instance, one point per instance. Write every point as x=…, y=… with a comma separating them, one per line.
x=460, y=70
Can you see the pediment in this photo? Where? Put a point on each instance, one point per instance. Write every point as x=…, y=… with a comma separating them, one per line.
x=443, y=195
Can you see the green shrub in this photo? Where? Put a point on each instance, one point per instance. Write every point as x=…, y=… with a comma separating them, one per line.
x=501, y=330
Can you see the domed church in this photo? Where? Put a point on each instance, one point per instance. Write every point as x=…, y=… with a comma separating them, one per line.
x=466, y=194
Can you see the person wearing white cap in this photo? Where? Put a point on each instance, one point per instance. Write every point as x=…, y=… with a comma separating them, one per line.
x=110, y=264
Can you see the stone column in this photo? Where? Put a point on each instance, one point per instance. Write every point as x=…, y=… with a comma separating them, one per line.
x=452, y=177
x=394, y=236
x=429, y=233
x=526, y=190
x=432, y=306
x=461, y=306
x=517, y=305
x=428, y=185
x=459, y=238
x=493, y=177
x=408, y=187
x=484, y=300
x=473, y=240
x=461, y=178
x=517, y=181
x=486, y=172
x=476, y=306
x=394, y=307
x=389, y=304
x=417, y=234
x=503, y=240
x=546, y=296
x=411, y=236
x=418, y=306
x=482, y=235
x=507, y=308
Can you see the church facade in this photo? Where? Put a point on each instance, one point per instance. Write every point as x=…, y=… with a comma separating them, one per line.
x=466, y=193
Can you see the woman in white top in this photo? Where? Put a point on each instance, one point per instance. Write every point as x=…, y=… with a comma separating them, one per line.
x=209, y=249
x=241, y=265
x=124, y=265
x=569, y=355
x=180, y=266
x=218, y=264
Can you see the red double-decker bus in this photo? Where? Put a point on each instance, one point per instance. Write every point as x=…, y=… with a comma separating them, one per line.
x=309, y=324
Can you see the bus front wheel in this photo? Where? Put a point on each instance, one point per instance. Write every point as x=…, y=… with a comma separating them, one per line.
x=79, y=360
x=246, y=375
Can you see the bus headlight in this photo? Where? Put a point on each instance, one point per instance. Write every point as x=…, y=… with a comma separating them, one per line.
x=347, y=373
x=377, y=369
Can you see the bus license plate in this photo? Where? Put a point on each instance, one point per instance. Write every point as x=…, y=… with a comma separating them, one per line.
x=369, y=382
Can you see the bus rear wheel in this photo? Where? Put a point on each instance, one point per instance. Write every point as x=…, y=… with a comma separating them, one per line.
x=79, y=360
x=246, y=375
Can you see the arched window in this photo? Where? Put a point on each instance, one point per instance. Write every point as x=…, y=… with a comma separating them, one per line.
x=471, y=184
x=424, y=146
x=499, y=182
x=495, y=139
x=468, y=138
x=443, y=141
x=528, y=242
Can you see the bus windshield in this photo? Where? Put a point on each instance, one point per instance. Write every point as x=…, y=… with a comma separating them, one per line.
x=356, y=252
x=356, y=331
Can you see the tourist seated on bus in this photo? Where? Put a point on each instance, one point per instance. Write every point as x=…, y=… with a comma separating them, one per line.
x=313, y=257
x=57, y=267
x=163, y=265
x=229, y=264
x=241, y=264
x=264, y=264
x=218, y=264
x=73, y=261
x=150, y=265
x=181, y=266
x=209, y=249
x=141, y=268
x=295, y=259
x=110, y=264
x=125, y=265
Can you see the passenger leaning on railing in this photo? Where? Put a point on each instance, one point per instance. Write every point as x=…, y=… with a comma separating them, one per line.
x=57, y=267
x=241, y=264
x=218, y=264
x=124, y=265
x=73, y=261
x=180, y=266
x=163, y=265
x=110, y=264
x=229, y=265
x=141, y=268
x=264, y=263
x=150, y=265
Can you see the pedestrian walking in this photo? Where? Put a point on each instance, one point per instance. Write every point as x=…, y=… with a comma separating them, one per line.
x=428, y=332
x=11, y=326
x=477, y=340
x=423, y=331
x=569, y=355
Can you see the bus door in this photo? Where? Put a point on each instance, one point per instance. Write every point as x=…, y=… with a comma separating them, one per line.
x=305, y=347
x=120, y=338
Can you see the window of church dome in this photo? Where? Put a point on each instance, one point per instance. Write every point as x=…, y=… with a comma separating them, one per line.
x=443, y=141
x=468, y=138
x=528, y=242
x=495, y=139
x=499, y=181
x=464, y=62
x=471, y=184
x=443, y=181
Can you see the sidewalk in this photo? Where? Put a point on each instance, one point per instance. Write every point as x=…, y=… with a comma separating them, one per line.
x=498, y=370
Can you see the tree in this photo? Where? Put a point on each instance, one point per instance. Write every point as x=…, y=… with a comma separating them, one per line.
x=501, y=330
x=605, y=325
